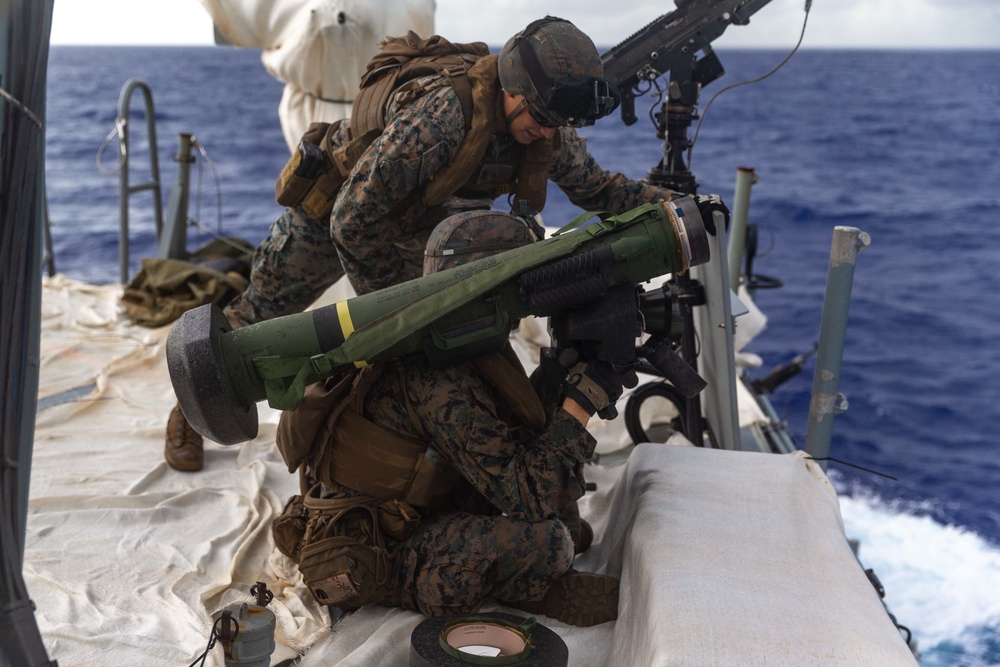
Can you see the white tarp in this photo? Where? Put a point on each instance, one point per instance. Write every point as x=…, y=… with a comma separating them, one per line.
x=725, y=558
x=318, y=48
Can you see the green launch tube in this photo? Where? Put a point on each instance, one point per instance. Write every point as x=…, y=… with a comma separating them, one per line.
x=219, y=374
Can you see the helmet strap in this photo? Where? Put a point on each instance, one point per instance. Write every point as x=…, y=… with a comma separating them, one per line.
x=521, y=107
x=540, y=81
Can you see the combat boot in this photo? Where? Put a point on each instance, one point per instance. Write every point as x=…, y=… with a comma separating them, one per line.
x=185, y=448
x=583, y=536
x=576, y=598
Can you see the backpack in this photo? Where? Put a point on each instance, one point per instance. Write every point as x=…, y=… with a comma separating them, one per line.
x=317, y=170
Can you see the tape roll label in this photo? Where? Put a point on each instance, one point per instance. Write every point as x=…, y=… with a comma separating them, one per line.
x=490, y=638
x=487, y=639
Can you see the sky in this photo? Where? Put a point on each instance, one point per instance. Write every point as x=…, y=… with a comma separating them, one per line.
x=832, y=23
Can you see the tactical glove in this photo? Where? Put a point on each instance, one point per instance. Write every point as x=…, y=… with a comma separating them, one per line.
x=596, y=386
x=707, y=205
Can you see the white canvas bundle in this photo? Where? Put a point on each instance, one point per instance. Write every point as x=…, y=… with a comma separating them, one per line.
x=725, y=558
x=318, y=48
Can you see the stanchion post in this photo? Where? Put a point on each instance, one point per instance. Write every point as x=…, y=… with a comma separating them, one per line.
x=826, y=400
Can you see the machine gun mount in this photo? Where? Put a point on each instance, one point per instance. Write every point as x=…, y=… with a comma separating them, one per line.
x=672, y=43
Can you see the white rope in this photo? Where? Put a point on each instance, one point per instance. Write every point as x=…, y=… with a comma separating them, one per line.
x=119, y=131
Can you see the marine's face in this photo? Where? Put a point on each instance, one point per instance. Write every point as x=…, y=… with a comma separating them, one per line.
x=523, y=127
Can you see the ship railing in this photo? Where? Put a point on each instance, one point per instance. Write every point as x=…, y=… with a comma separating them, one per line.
x=715, y=324
x=171, y=232
x=125, y=187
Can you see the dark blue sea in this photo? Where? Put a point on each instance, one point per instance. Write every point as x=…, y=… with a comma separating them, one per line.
x=900, y=144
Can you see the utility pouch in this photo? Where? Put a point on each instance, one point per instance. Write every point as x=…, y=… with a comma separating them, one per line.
x=432, y=482
x=398, y=519
x=289, y=529
x=344, y=562
x=318, y=201
x=300, y=430
x=305, y=167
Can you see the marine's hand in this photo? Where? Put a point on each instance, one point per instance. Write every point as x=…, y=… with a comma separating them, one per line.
x=707, y=205
x=596, y=385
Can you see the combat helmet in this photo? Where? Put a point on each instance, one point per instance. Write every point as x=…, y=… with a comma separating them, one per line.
x=557, y=69
x=471, y=235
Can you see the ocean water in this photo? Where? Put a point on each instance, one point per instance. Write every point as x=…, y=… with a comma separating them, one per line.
x=899, y=144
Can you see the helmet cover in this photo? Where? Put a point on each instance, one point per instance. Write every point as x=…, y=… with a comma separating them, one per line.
x=557, y=69
x=471, y=235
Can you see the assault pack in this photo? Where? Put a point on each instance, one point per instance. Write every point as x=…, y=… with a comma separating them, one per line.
x=316, y=171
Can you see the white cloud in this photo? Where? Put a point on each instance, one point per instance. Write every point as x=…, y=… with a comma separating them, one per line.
x=130, y=22
x=832, y=23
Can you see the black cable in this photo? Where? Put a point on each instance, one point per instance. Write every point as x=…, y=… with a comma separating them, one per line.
x=218, y=186
x=212, y=638
x=704, y=111
x=851, y=465
x=635, y=400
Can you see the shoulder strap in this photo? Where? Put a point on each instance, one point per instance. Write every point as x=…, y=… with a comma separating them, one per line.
x=483, y=85
x=533, y=173
x=401, y=388
x=504, y=372
x=404, y=59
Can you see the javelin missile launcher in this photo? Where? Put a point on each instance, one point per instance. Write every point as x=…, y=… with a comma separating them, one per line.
x=219, y=374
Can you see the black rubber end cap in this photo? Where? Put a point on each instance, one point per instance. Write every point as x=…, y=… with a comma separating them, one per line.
x=197, y=372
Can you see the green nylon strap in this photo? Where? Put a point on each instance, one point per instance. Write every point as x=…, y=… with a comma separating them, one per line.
x=607, y=220
x=385, y=332
x=282, y=395
x=580, y=219
x=388, y=330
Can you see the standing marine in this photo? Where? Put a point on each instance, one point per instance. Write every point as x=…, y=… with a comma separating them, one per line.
x=436, y=128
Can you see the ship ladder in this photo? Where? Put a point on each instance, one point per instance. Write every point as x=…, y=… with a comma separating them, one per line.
x=126, y=188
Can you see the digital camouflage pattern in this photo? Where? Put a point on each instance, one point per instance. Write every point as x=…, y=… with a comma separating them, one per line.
x=472, y=235
x=456, y=560
x=508, y=531
x=530, y=476
x=379, y=226
x=291, y=269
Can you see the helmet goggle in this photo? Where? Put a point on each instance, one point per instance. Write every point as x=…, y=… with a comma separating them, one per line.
x=576, y=101
x=541, y=118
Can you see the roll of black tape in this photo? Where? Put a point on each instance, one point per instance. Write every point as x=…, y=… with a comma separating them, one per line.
x=547, y=648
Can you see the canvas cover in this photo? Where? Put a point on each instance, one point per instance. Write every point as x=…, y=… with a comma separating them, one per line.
x=725, y=558
x=318, y=48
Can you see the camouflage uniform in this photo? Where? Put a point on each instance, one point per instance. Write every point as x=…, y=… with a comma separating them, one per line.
x=523, y=488
x=376, y=226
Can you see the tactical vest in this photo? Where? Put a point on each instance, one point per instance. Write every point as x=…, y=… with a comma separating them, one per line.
x=330, y=435
x=404, y=70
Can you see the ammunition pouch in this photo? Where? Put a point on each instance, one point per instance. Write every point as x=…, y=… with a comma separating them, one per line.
x=289, y=529
x=302, y=431
x=314, y=174
x=329, y=435
x=344, y=560
x=382, y=464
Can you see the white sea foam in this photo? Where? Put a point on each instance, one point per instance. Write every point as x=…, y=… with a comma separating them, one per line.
x=943, y=582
